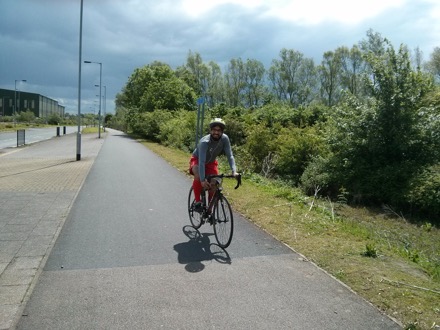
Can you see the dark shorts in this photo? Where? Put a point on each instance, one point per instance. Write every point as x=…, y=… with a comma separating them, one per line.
x=210, y=168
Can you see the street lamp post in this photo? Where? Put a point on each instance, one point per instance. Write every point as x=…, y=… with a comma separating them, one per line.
x=105, y=105
x=15, y=96
x=99, y=104
x=78, y=134
x=100, y=88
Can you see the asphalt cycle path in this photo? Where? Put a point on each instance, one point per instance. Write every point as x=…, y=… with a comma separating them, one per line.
x=127, y=258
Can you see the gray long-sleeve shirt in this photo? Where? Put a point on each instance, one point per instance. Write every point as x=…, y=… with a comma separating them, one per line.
x=208, y=149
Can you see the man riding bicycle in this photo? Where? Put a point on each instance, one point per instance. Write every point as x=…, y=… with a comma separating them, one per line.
x=203, y=161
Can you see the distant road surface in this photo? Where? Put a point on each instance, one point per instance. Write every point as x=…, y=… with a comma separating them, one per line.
x=9, y=139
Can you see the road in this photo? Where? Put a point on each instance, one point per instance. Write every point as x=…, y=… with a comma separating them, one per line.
x=127, y=258
x=9, y=139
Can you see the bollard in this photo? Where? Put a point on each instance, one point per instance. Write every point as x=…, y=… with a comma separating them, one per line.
x=21, y=140
x=64, y=130
x=58, y=131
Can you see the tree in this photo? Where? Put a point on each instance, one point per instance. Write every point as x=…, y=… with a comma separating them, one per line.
x=418, y=58
x=293, y=77
x=215, y=93
x=168, y=94
x=205, y=79
x=374, y=43
x=235, y=81
x=434, y=63
x=378, y=146
x=330, y=76
x=353, y=66
x=308, y=85
x=254, y=76
x=156, y=86
x=200, y=71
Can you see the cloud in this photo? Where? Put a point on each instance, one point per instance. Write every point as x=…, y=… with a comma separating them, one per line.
x=315, y=12
x=196, y=8
x=41, y=45
x=302, y=12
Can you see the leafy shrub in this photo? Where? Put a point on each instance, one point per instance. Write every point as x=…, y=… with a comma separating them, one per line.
x=276, y=114
x=27, y=116
x=54, y=119
x=235, y=129
x=295, y=148
x=425, y=192
x=150, y=122
x=178, y=131
x=316, y=174
x=244, y=160
x=260, y=141
x=370, y=251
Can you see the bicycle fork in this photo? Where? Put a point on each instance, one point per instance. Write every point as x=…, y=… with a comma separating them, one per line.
x=208, y=211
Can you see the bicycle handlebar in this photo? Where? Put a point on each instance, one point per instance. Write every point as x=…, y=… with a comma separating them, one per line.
x=238, y=177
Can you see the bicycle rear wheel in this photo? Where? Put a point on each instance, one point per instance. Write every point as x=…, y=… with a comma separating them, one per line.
x=223, y=222
x=194, y=217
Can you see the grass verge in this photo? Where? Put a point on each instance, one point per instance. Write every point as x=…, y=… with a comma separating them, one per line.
x=385, y=259
x=90, y=130
x=11, y=127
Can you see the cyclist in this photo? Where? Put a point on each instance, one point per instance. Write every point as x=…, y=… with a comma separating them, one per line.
x=203, y=160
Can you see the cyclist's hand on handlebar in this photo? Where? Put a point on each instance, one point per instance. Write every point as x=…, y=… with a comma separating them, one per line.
x=238, y=178
x=205, y=185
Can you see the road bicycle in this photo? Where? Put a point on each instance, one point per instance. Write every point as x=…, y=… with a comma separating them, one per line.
x=217, y=212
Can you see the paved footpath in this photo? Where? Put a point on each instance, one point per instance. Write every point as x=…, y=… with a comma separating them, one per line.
x=38, y=185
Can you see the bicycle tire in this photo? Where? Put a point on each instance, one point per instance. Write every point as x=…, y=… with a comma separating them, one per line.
x=194, y=217
x=223, y=222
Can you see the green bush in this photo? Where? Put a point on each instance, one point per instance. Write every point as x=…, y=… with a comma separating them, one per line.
x=54, y=119
x=425, y=193
x=7, y=119
x=316, y=175
x=178, y=131
x=150, y=122
x=295, y=148
x=26, y=116
x=235, y=129
x=260, y=142
x=244, y=160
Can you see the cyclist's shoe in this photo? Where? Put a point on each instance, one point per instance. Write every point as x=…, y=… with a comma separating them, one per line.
x=198, y=207
x=211, y=219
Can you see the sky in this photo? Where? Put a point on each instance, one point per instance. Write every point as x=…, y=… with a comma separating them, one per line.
x=40, y=38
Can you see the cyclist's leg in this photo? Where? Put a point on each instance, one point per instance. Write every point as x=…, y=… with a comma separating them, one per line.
x=212, y=169
x=194, y=170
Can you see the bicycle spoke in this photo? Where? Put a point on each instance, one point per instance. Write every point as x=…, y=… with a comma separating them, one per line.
x=223, y=222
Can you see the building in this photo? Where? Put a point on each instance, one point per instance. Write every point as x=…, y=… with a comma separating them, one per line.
x=40, y=105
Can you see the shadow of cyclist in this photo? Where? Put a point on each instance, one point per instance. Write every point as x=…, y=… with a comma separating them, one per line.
x=199, y=248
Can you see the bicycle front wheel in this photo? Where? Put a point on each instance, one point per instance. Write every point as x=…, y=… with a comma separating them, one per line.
x=194, y=217
x=223, y=222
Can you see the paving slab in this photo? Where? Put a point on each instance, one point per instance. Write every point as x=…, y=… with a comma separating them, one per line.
x=38, y=185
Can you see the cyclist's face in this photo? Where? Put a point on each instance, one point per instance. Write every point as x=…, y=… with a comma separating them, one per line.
x=216, y=132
